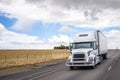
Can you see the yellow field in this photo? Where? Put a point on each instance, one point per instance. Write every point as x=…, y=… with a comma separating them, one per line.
x=10, y=58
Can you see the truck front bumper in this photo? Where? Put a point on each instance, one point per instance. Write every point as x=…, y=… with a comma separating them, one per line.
x=79, y=64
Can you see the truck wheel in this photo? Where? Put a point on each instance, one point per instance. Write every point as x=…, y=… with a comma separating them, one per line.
x=100, y=59
x=71, y=67
x=104, y=56
x=94, y=64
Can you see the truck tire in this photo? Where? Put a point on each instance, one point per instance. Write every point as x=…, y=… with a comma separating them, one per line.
x=93, y=66
x=94, y=63
x=71, y=67
x=100, y=59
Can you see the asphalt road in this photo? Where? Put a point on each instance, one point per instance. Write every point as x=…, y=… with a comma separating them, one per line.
x=108, y=70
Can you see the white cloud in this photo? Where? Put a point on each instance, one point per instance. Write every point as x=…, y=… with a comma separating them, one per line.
x=66, y=29
x=92, y=14
x=23, y=24
x=12, y=40
x=113, y=39
x=15, y=45
x=10, y=36
x=59, y=38
x=81, y=13
x=2, y=28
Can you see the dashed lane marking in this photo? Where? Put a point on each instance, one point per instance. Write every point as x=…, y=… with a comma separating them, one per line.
x=109, y=68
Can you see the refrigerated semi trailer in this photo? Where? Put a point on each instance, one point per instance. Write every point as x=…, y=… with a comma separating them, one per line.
x=87, y=50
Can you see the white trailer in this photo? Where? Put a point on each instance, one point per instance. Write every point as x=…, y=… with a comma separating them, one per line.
x=87, y=50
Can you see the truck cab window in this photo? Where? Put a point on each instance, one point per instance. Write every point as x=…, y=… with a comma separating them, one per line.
x=82, y=45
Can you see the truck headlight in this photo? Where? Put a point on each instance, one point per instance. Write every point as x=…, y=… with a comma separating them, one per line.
x=88, y=53
x=68, y=60
x=91, y=59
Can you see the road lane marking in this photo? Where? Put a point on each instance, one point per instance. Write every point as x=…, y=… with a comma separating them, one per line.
x=117, y=54
x=109, y=68
x=45, y=74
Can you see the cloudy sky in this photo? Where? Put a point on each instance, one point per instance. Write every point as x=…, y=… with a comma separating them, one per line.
x=42, y=24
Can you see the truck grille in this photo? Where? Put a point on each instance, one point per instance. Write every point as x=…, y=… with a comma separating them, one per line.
x=78, y=57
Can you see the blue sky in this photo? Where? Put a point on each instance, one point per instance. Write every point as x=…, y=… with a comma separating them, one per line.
x=42, y=30
x=45, y=24
x=7, y=21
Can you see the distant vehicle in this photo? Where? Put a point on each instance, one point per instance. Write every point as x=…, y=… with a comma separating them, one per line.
x=87, y=50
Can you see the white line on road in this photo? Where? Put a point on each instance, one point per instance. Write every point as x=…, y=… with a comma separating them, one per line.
x=117, y=54
x=109, y=67
x=41, y=75
x=45, y=74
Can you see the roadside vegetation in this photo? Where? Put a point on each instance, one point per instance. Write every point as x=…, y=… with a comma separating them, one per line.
x=9, y=58
x=61, y=47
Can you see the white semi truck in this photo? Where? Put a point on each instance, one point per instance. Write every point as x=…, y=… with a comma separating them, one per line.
x=87, y=50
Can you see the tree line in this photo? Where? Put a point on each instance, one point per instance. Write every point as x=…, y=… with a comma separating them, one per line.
x=61, y=47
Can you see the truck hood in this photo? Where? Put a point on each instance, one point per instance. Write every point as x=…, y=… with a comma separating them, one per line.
x=81, y=50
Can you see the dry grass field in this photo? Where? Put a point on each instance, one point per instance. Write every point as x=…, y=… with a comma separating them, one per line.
x=9, y=58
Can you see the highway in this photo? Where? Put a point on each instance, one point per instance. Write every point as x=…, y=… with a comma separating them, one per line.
x=109, y=69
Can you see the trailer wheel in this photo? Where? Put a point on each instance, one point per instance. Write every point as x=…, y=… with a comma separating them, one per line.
x=104, y=56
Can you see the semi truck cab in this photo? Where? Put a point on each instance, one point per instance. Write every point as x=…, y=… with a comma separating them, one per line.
x=85, y=50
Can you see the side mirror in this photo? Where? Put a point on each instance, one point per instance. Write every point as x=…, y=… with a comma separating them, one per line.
x=70, y=47
x=96, y=46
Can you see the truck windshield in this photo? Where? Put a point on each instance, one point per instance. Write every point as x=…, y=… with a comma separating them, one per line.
x=82, y=45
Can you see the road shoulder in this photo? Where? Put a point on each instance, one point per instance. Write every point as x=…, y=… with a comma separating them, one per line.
x=25, y=68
